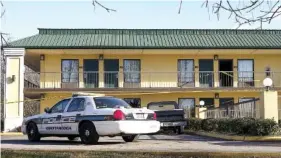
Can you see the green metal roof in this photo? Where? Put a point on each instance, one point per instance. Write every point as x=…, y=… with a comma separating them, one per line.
x=151, y=39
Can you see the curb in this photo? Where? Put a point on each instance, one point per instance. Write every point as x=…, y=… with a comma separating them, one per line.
x=237, y=138
x=11, y=134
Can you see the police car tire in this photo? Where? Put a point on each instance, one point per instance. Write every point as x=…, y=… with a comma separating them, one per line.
x=130, y=138
x=72, y=138
x=34, y=136
x=93, y=136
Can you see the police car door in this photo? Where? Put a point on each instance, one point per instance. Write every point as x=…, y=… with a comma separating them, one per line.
x=51, y=121
x=75, y=109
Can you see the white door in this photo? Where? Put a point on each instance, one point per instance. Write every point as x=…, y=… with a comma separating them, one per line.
x=185, y=73
x=245, y=72
x=51, y=121
x=70, y=116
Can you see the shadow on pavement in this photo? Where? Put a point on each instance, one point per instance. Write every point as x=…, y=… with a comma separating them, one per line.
x=53, y=142
x=179, y=138
x=242, y=143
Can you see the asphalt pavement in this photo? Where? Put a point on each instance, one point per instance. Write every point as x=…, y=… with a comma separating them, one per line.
x=167, y=143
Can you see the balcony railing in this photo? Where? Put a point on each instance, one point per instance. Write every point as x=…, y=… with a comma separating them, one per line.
x=206, y=79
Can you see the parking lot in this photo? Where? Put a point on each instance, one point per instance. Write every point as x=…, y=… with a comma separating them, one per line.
x=167, y=143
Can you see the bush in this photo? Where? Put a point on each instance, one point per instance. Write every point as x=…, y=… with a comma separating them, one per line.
x=209, y=124
x=242, y=125
x=239, y=126
x=224, y=125
x=262, y=127
x=194, y=124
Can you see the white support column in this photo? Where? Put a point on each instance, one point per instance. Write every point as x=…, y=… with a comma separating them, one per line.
x=13, y=91
x=269, y=105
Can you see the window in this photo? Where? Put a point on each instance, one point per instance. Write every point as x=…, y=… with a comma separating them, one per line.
x=69, y=70
x=209, y=102
x=226, y=102
x=60, y=106
x=188, y=104
x=245, y=72
x=185, y=72
x=77, y=104
x=133, y=102
x=132, y=70
x=110, y=102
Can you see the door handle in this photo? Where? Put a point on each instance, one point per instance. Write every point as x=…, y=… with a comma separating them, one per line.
x=58, y=117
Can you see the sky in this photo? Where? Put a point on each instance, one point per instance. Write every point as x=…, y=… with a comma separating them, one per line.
x=22, y=18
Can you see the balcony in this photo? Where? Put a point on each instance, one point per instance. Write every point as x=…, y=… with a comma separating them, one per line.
x=149, y=80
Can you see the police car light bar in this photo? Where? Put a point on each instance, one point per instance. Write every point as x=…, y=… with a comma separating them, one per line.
x=87, y=94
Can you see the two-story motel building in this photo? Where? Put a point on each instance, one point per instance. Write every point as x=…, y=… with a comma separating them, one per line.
x=182, y=65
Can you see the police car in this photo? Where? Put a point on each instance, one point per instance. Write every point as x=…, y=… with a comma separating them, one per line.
x=90, y=117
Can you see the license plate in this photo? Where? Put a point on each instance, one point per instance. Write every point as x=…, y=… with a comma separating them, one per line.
x=140, y=116
x=166, y=124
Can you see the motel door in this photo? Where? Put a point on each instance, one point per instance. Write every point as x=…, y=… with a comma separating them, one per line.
x=206, y=76
x=111, y=71
x=91, y=73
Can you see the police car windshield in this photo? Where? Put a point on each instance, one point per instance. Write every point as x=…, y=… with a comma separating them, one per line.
x=110, y=102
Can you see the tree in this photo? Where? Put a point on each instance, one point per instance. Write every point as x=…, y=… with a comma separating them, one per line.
x=246, y=12
x=242, y=11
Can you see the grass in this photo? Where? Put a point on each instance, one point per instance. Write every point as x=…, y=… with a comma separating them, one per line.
x=108, y=154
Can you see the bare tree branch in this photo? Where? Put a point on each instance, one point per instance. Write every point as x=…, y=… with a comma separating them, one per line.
x=180, y=7
x=248, y=13
x=95, y=2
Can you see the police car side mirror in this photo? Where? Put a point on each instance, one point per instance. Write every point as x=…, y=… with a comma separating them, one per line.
x=47, y=110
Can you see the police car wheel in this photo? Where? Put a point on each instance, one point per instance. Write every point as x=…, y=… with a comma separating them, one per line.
x=72, y=138
x=130, y=138
x=32, y=132
x=88, y=133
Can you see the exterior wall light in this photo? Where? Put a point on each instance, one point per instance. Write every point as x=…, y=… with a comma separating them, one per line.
x=267, y=71
x=42, y=57
x=216, y=57
x=217, y=96
x=267, y=83
x=101, y=57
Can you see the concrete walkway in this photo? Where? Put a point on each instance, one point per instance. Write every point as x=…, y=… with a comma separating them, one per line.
x=174, y=143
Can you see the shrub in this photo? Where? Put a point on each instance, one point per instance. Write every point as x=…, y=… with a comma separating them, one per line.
x=263, y=127
x=194, y=124
x=209, y=124
x=239, y=126
x=224, y=125
x=242, y=125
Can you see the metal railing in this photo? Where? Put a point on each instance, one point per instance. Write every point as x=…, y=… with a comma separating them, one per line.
x=248, y=108
x=223, y=113
x=201, y=79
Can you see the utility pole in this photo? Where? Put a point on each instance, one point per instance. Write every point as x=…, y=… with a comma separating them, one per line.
x=2, y=69
x=2, y=76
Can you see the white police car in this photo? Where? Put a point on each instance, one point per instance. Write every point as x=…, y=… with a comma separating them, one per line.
x=89, y=117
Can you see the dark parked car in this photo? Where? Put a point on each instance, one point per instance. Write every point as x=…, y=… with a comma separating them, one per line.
x=169, y=115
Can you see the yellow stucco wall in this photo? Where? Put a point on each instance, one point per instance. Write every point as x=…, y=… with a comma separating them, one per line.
x=163, y=66
x=162, y=62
